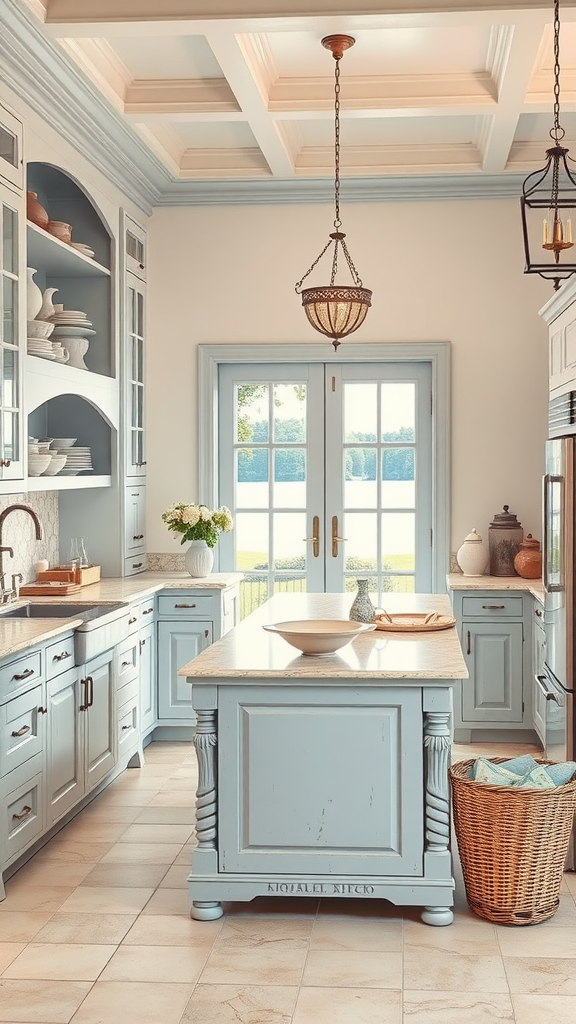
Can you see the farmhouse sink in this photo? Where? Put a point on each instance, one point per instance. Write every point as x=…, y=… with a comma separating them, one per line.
x=102, y=627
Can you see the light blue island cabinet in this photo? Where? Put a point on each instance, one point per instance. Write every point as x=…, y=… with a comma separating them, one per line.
x=325, y=776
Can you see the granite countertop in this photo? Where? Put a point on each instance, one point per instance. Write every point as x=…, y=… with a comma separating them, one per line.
x=248, y=652
x=457, y=581
x=16, y=635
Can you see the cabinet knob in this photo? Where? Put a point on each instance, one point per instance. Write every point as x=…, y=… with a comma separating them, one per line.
x=538, y=613
x=42, y=711
x=5, y=462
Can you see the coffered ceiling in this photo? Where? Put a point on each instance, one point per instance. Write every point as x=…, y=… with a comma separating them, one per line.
x=242, y=91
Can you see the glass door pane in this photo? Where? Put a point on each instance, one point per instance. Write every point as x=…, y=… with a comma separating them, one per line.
x=10, y=418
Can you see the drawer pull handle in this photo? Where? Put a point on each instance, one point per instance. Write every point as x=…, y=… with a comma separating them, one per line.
x=132, y=621
x=206, y=633
x=184, y=605
x=142, y=644
x=61, y=657
x=125, y=727
x=5, y=462
x=468, y=641
x=147, y=611
x=138, y=536
x=125, y=664
x=23, y=814
x=136, y=565
x=22, y=731
x=24, y=675
x=88, y=685
x=493, y=607
x=538, y=613
x=42, y=711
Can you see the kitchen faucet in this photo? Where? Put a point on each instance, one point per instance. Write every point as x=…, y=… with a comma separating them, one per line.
x=12, y=593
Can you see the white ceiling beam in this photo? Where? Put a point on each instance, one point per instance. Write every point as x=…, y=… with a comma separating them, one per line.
x=515, y=58
x=377, y=92
x=180, y=95
x=248, y=87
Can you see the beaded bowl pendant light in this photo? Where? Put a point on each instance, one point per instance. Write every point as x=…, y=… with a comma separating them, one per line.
x=336, y=310
x=550, y=191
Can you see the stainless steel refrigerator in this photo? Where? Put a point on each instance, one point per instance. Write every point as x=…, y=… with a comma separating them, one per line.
x=559, y=544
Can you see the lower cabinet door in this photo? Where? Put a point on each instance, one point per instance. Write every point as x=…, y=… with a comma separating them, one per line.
x=315, y=781
x=101, y=745
x=64, y=762
x=493, y=654
x=178, y=643
x=148, y=703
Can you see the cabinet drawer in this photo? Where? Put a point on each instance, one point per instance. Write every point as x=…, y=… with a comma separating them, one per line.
x=21, y=729
x=134, y=565
x=128, y=731
x=186, y=607
x=495, y=606
x=18, y=673
x=23, y=813
x=129, y=692
x=127, y=660
x=59, y=657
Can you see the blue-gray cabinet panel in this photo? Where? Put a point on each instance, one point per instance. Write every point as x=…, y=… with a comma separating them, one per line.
x=65, y=770
x=178, y=643
x=493, y=652
x=316, y=783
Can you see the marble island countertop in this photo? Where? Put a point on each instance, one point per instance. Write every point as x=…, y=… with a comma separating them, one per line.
x=17, y=635
x=457, y=581
x=248, y=652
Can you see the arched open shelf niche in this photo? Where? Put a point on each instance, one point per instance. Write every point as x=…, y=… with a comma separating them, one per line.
x=71, y=416
x=83, y=283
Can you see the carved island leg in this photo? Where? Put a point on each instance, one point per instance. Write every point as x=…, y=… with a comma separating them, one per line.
x=205, y=741
x=437, y=807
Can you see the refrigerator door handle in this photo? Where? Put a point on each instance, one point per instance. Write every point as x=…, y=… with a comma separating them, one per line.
x=546, y=482
x=547, y=692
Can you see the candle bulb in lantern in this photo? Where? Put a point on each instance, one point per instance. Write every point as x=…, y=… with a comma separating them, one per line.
x=568, y=235
x=544, y=232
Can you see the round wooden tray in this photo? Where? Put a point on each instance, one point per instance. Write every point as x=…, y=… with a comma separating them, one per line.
x=414, y=622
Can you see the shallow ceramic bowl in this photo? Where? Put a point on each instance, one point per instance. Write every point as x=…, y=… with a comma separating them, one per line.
x=57, y=462
x=63, y=442
x=319, y=636
x=39, y=328
x=60, y=230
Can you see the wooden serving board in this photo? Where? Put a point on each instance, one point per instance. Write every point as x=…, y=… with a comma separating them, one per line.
x=54, y=589
x=414, y=622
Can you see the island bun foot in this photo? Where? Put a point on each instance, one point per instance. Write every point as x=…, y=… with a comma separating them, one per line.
x=205, y=911
x=438, y=916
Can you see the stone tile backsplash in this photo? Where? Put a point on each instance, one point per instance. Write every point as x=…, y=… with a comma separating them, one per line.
x=19, y=533
x=162, y=562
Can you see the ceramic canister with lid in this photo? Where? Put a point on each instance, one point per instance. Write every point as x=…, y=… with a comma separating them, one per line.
x=528, y=561
x=473, y=556
x=504, y=539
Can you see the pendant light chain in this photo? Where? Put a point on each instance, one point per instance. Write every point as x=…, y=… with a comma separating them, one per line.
x=557, y=132
x=337, y=221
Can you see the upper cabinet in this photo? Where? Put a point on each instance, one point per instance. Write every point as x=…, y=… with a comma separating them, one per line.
x=11, y=155
x=559, y=313
x=11, y=314
x=135, y=247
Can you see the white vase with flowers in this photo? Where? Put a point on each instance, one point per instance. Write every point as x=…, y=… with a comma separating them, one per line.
x=201, y=526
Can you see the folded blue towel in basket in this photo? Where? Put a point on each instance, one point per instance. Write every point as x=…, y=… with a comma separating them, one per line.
x=522, y=772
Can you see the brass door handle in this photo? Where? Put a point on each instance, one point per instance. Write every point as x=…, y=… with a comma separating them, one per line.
x=315, y=538
x=336, y=540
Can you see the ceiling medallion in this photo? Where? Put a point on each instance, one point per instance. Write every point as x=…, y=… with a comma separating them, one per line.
x=551, y=191
x=336, y=310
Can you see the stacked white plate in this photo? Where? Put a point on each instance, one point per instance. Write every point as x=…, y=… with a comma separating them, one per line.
x=83, y=248
x=78, y=459
x=71, y=323
x=39, y=347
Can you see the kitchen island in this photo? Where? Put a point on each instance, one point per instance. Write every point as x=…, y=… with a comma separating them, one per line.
x=325, y=776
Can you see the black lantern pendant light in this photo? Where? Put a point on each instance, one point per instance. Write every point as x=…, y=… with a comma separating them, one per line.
x=336, y=310
x=550, y=191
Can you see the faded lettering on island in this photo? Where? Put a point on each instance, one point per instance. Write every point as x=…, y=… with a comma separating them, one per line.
x=321, y=888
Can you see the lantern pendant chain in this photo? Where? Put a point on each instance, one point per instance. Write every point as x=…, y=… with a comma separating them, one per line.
x=557, y=132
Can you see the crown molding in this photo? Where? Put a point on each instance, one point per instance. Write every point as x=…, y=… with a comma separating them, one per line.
x=40, y=74
x=354, y=190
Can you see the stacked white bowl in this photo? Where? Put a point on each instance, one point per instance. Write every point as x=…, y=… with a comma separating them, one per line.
x=38, y=344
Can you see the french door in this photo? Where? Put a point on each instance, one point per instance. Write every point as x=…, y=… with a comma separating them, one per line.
x=327, y=469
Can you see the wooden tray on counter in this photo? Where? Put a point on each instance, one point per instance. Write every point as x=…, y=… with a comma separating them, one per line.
x=83, y=577
x=413, y=622
x=56, y=588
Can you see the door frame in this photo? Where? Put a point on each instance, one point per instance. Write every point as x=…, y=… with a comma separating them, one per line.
x=438, y=354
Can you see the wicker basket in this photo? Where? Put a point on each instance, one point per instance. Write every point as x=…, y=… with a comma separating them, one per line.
x=513, y=844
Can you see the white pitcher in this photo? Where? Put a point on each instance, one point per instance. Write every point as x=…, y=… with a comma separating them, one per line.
x=47, y=307
x=33, y=295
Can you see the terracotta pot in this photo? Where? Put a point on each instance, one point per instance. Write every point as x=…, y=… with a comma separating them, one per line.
x=34, y=211
x=528, y=561
x=60, y=230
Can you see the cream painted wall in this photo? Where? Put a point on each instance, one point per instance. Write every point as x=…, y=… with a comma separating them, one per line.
x=439, y=271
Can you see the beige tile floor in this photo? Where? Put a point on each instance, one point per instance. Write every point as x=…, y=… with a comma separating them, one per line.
x=95, y=929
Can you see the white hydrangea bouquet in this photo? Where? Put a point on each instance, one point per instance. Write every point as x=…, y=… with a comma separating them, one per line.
x=198, y=522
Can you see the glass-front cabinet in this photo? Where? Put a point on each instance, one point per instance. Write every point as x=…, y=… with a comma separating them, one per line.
x=11, y=448
x=135, y=366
